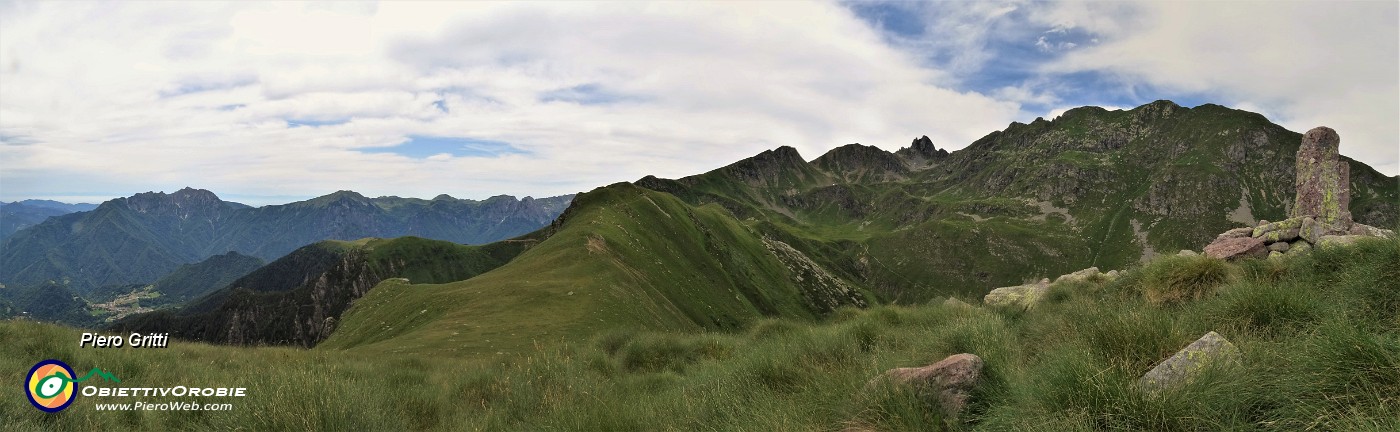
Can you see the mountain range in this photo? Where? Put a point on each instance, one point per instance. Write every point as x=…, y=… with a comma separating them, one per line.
x=778, y=235
x=138, y=239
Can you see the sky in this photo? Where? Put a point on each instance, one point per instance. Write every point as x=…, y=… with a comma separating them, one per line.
x=267, y=103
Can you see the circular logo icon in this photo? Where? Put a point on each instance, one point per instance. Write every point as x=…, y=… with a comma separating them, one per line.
x=50, y=385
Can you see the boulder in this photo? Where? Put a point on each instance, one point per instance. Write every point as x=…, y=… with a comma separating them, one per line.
x=1313, y=230
x=1236, y=248
x=1279, y=247
x=1299, y=247
x=1188, y=363
x=1339, y=240
x=954, y=302
x=1238, y=232
x=1112, y=275
x=1188, y=252
x=1079, y=276
x=1022, y=295
x=948, y=383
x=1275, y=254
x=1284, y=230
x=1323, y=179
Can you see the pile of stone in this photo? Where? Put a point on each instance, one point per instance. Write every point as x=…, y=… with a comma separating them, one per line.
x=1319, y=215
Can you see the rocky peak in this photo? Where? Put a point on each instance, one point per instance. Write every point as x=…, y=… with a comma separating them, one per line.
x=183, y=202
x=342, y=198
x=856, y=162
x=1156, y=110
x=923, y=147
x=769, y=166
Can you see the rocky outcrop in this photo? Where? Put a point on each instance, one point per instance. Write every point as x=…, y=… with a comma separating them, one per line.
x=947, y=384
x=1189, y=362
x=1319, y=209
x=822, y=291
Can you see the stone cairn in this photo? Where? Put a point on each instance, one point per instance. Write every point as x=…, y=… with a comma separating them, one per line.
x=1319, y=215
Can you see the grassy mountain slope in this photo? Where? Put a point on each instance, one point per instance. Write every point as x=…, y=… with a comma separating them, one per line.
x=621, y=256
x=1319, y=336
x=138, y=239
x=299, y=298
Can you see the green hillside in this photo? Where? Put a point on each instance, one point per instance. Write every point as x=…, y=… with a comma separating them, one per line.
x=620, y=257
x=188, y=281
x=1318, y=333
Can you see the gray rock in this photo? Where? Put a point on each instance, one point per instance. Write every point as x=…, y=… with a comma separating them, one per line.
x=1236, y=248
x=1188, y=252
x=954, y=302
x=1111, y=275
x=1279, y=247
x=1284, y=230
x=1339, y=240
x=1299, y=247
x=1367, y=230
x=1323, y=180
x=1022, y=295
x=1275, y=254
x=1079, y=276
x=948, y=383
x=1188, y=363
x=1313, y=230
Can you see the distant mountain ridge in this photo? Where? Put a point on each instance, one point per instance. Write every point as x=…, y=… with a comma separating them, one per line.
x=138, y=239
x=19, y=215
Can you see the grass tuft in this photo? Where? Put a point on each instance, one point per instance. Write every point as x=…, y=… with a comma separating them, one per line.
x=1177, y=279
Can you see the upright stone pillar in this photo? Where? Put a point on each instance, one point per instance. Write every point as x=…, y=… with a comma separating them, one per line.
x=1323, y=181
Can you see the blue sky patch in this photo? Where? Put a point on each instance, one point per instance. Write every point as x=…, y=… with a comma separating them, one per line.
x=421, y=147
x=585, y=94
x=199, y=86
x=316, y=122
x=890, y=17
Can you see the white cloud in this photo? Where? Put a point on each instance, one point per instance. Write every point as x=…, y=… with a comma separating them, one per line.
x=1304, y=63
x=107, y=99
x=150, y=96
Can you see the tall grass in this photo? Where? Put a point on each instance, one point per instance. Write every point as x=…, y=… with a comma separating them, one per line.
x=1319, y=337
